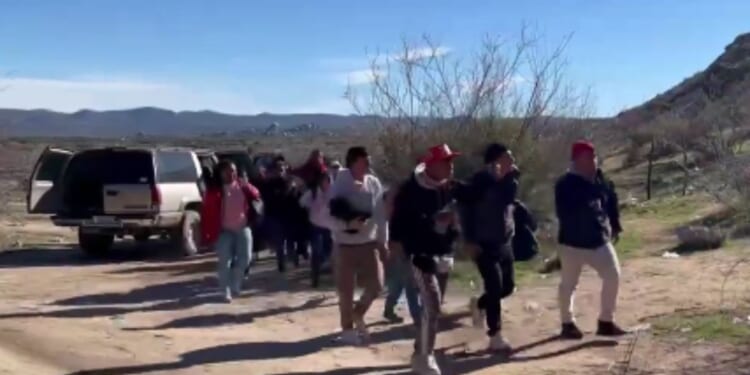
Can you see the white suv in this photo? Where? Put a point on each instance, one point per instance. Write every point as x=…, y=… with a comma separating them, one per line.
x=121, y=192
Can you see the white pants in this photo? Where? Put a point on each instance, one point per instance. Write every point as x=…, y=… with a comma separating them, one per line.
x=604, y=261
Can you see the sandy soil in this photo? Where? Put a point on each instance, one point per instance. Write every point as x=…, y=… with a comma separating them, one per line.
x=147, y=311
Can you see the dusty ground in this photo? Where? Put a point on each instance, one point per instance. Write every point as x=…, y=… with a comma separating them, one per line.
x=147, y=311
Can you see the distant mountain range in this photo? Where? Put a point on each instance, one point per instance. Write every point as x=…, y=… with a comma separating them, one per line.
x=726, y=80
x=149, y=121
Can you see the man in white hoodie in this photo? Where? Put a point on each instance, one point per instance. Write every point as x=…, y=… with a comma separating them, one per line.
x=360, y=231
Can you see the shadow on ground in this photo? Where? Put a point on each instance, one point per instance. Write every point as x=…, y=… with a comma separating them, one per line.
x=45, y=255
x=214, y=320
x=257, y=351
x=178, y=295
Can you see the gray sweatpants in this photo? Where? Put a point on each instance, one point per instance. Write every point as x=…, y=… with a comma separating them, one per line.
x=431, y=298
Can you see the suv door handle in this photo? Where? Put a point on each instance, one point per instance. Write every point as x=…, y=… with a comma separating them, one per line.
x=112, y=193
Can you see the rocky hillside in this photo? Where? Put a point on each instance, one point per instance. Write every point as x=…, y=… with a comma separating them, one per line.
x=726, y=80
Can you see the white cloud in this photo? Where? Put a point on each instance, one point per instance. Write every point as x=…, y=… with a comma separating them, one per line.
x=69, y=95
x=355, y=75
x=420, y=53
x=360, y=76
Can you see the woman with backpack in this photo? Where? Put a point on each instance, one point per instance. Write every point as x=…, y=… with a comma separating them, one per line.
x=229, y=207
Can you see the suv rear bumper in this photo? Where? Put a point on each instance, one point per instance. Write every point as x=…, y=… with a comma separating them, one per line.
x=161, y=221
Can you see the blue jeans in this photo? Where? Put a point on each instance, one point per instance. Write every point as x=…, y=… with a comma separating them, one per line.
x=400, y=278
x=277, y=239
x=234, y=249
x=321, y=244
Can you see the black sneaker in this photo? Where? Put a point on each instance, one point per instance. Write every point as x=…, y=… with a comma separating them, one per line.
x=571, y=332
x=610, y=329
x=392, y=318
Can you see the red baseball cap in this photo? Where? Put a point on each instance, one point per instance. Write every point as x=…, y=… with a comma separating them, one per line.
x=439, y=153
x=581, y=147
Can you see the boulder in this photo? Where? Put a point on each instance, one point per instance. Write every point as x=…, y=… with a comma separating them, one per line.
x=696, y=238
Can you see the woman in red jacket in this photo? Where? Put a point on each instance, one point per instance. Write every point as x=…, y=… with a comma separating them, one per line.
x=229, y=206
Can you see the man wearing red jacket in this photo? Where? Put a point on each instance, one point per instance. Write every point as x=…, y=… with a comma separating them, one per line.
x=228, y=208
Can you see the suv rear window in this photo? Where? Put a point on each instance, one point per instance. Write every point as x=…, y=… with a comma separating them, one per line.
x=113, y=167
x=51, y=168
x=175, y=166
x=241, y=160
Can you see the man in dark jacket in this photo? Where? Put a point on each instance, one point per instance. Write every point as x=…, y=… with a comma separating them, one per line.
x=488, y=230
x=277, y=191
x=424, y=224
x=587, y=211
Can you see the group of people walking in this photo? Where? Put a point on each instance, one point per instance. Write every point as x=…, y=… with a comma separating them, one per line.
x=407, y=237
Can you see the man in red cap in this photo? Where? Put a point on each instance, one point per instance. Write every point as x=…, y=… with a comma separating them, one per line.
x=424, y=224
x=589, y=219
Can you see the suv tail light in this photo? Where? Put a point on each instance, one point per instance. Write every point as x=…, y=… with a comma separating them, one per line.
x=155, y=196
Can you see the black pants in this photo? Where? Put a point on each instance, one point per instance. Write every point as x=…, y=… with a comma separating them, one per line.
x=495, y=264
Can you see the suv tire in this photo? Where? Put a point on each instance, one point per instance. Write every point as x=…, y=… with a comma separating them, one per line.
x=142, y=237
x=187, y=236
x=94, y=244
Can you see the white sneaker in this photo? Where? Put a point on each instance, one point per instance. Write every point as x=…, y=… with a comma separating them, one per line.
x=361, y=328
x=226, y=296
x=499, y=344
x=349, y=337
x=424, y=365
x=477, y=314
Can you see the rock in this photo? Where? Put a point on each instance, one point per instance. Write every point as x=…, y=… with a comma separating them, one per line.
x=531, y=306
x=696, y=238
x=551, y=265
x=670, y=255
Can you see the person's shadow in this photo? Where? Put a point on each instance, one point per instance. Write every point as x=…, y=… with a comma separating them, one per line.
x=257, y=351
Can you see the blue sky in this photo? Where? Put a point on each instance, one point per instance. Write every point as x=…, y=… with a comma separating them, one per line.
x=295, y=56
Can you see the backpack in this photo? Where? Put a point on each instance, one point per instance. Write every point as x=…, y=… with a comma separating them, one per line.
x=525, y=245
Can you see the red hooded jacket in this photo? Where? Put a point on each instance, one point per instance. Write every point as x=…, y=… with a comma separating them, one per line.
x=211, y=210
x=310, y=171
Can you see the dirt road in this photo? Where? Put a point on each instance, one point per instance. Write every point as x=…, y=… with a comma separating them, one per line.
x=148, y=312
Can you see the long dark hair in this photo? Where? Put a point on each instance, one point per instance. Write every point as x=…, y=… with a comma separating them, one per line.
x=319, y=180
x=217, y=179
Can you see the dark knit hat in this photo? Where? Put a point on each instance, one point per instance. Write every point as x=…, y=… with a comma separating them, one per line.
x=493, y=152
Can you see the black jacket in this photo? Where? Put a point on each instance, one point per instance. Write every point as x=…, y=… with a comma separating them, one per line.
x=487, y=209
x=413, y=225
x=587, y=212
x=279, y=197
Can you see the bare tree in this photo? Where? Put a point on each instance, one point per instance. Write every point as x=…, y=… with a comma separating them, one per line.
x=509, y=90
x=684, y=136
